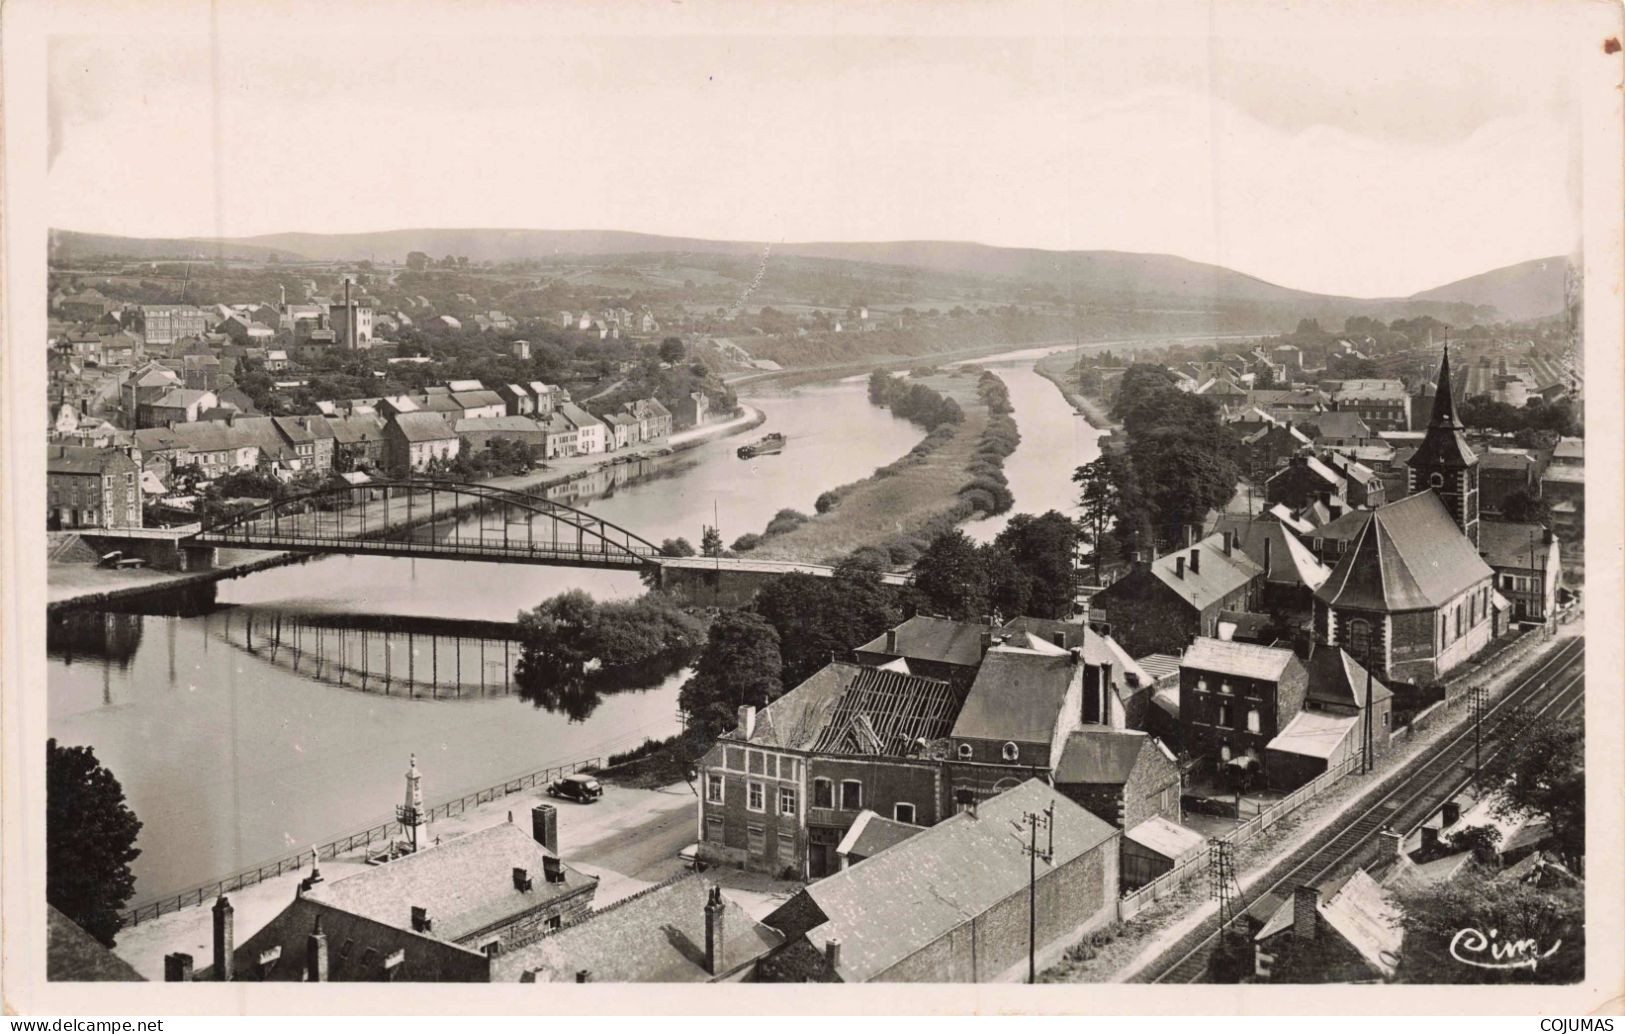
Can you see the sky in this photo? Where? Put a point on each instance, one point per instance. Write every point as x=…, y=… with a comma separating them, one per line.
x=1366, y=150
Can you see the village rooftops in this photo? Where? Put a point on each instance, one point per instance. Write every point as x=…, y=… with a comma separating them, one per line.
x=1244, y=660
x=1283, y=515
x=1373, y=388
x=871, y=834
x=1286, y=560
x=1216, y=576
x=913, y=893
x=855, y=709
x=655, y=936
x=465, y=885
x=467, y=385
x=476, y=398
x=1408, y=555
x=1017, y=696
x=924, y=638
x=1337, y=678
x=424, y=427
x=1339, y=424
x=1513, y=544
x=1096, y=754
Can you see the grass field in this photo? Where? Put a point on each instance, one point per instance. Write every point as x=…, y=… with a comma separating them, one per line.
x=916, y=495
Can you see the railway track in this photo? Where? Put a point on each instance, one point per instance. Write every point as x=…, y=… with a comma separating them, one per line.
x=1403, y=802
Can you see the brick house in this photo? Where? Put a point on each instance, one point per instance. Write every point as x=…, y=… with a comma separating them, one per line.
x=1528, y=563
x=358, y=442
x=414, y=440
x=91, y=488
x=1235, y=697
x=1271, y=446
x=478, y=434
x=1159, y=607
x=951, y=904
x=1303, y=479
x=311, y=439
x=1122, y=775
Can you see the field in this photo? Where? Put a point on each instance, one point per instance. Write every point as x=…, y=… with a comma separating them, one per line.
x=916, y=498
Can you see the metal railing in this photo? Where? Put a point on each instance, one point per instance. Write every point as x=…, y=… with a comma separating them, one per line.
x=340, y=846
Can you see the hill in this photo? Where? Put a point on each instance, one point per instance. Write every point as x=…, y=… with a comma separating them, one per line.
x=1526, y=291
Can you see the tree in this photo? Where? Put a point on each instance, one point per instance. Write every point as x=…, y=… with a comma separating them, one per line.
x=711, y=541
x=672, y=350
x=1183, y=477
x=417, y=261
x=1542, y=773
x=1042, y=548
x=676, y=547
x=1522, y=507
x=950, y=577
x=740, y=665
x=1470, y=916
x=90, y=835
x=1264, y=378
x=819, y=618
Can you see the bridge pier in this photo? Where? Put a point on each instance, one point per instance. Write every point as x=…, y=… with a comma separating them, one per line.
x=197, y=558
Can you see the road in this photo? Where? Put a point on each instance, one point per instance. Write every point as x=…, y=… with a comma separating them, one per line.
x=1404, y=800
x=648, y=850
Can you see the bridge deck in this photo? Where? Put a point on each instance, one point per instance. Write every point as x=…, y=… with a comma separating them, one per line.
x=558, y=555
x=749, y=566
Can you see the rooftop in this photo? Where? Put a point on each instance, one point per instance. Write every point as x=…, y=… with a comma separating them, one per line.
x=1315, y=734
x=923, y=638
x=1097, y=754
x=423, y=427
x=1408, y=555
x=1512, y=544
x=1335, y=677
x=1169, y=839
x=1017, y=696
x=1245, y=660
x=1217, y=576
x=871, y=834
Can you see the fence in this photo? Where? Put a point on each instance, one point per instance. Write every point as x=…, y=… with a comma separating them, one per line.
x=344, y=845
x=1131, y=903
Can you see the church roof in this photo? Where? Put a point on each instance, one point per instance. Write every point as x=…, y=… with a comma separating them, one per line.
x=1409, y=555
x=1444, y=445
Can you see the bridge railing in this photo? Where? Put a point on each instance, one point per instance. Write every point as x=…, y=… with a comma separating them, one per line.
x=340, y=846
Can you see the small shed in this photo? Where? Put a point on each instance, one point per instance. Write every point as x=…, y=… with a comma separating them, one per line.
x=1312, y=743
x=1154, y=847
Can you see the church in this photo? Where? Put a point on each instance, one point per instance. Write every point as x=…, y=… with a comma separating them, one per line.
x=1411, y=598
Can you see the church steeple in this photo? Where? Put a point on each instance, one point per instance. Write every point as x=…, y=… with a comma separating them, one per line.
x=1444, y=463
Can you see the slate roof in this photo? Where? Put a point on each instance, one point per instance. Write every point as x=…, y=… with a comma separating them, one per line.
x=356, y=429
x=1505, y=459
x=1219, y=576
x=424, y=427
x=465, y=884
x=1017, y=696
x=1245, y=660
x=1290, y=561
x=1313, y=464
x=479, y=398
x=1443, y=444
x=1102, y=755
x=1160, y=665
x=180, y=398
x=1408, y=555
x=471, y=425
x=72, y=954
x=1314, y=734
x=1169, y=839
x=796, y=719
x=914, y=893
x=1339, y=424
x=923, y=638
x=871, y=834
x=79, y=459
x=1335, y=677
x=1512, y=544
x=654, y=936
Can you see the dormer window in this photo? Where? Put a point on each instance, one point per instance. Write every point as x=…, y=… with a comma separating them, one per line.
x=965, y=751
x=1010, y=752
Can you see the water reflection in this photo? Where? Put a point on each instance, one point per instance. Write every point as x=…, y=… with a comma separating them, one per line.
x=94, y=635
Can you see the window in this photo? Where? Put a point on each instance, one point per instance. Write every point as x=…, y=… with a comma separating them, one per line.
x=1436, y=479
x=1224, y=687
x=1385, y=719
x=787, y=800
x=965, y=751
x=1359, y=638
x=903, y=812
x=1252, y=720
x=755, y=799
x=787, y=767
x=1226, y=713
x=713, y=788
x=1010, y=752
x=1201, y=685
x=1224, y=752
x=756, y=838
x=787, y=848
x=823, y=793
x=713, y=830
x=851, y=795
x=756, y=765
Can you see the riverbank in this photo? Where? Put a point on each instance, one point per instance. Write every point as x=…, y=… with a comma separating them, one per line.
x=904, y=502
x=1058, y=369
x=76, y=586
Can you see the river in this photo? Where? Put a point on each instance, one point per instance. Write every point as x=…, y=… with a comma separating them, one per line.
x=277, y=710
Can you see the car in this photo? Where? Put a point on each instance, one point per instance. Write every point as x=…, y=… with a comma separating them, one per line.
x=576, y=787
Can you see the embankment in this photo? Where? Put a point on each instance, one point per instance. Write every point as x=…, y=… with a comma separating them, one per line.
x=1058, y=370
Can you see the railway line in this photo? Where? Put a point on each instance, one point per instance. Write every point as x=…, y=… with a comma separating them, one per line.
x=1402, y=802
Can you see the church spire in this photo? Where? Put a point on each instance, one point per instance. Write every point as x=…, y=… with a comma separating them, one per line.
x=1444, y=405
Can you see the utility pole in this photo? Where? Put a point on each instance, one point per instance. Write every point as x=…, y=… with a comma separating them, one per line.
x=1032, y=822
x=1478, y=729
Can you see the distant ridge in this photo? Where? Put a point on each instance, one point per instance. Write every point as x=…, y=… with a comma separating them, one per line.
x=1523, y=291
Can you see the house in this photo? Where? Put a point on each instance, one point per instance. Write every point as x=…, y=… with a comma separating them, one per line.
x=952, y=903
x=654, y=419
x=519, y=400
x=1382, y=403
x=870, y=834
x=1410, y=597
x=1305, y=478
x=1506, y=472
x=685, y=930
x=310, y=437
x=782, y=788
x=1353, y=925
x=478, y=434
x=937, y=648
x=1234, y=698
x=691, y=410
x=1273, y=444
x=1154, y=847
x=1363, y=488
x=358, y=442
x=175, y=406
x=1124, y=776
x=145, y=384
x=548, y=397
x=620, y=430
x=592, y=435
x=472, y=405
x=1527, y=561
x=1292, y=573
x=165, y=324
x=442, y=913
x=1337, y=427
x=1331, y=728
x=444, y=322
x=276, y=360
x=414, y=440
x=86, y=305
x=561, y=438
x=91, y=488
x=1158, y=607
x=1118, y=690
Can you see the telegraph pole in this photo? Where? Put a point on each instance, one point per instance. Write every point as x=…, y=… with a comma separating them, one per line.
x=1032, y=822
x=1478, y=729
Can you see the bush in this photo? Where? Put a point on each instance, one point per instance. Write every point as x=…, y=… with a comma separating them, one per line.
x=826, y=502
x=747, y=542
x=784, y=521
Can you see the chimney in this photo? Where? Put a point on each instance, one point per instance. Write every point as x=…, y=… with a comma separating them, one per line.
x=225, y=947
x=987, y=641
x=1305, y=913
x=832, y=956
x=421, y=923
x=316, y=955
x=177, y=968
x=349, y=317
x=544, y=826
x=552, y=869
x=1179, y=566
x=891, y=640
x=1229, y=539
x=1450, y=814
x=747, y=721
x=521, y=879
x=1058, y=637
x=715, y=941
x=583, y=976
x=1390, y=844
x=1196, y=560
x=1430, y=839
